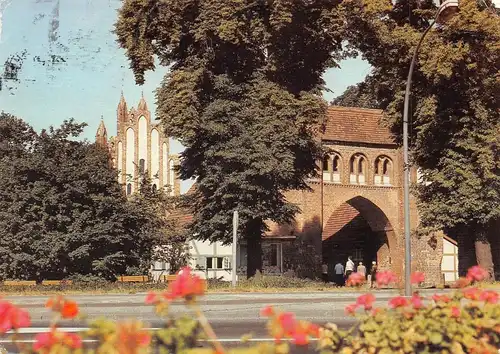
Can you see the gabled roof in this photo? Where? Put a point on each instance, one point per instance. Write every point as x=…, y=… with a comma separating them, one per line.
x=356, y=125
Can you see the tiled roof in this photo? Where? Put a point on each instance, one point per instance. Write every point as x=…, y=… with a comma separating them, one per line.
x=358, y=125
x=341, y=217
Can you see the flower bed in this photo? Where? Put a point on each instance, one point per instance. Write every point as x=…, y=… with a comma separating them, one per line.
x=466, y=321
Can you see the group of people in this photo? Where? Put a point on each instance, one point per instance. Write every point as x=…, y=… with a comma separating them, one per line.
x=341, y=273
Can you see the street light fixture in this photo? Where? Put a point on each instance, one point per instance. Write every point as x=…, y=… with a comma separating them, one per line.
x=447, y=10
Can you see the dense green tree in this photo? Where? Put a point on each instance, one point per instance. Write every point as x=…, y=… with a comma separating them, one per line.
x=61, y=210
x=455, y=120
x=243, y=95
x=362, y=95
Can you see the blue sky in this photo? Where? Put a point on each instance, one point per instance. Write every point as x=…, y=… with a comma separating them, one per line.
x=69, y=64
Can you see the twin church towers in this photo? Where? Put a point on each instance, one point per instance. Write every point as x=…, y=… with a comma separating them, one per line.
x=140, y=147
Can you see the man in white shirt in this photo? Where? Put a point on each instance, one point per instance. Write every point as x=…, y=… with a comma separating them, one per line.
x=349, y=267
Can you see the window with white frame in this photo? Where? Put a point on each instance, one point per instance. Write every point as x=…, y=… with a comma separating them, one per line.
x=382, y=171
x=357, y=169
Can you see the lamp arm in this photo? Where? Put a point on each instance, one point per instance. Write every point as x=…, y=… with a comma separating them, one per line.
x=406, y=167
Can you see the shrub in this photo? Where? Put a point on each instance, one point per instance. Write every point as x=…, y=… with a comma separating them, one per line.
x=467, y=321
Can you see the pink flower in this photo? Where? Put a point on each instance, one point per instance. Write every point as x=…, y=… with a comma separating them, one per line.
x=441, y=298
x=287, y=322
x=489, y=296
x=351, y=309
x=386, y=278
x=186, y=285
x=12, y=317
x=417, y=278
x=151, y=298
x=366, y=300
x=355, y=279
x=45, y=341
x=455, y=312
x=472, y=293
x=398, y=301
x=416, y=301
x=477, y=273
x=267, y=311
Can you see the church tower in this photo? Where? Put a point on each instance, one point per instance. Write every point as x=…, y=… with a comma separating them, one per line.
x=101, y=136
x=140, y=147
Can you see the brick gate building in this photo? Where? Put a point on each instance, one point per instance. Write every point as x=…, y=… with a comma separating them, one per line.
x=355, y=208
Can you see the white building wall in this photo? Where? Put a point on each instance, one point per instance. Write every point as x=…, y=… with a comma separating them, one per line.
x=204, y=254
x=130, y=157
x=143, y=141
x=165, y=164
x=449, y=262
x=119, y=162
x=155, y=157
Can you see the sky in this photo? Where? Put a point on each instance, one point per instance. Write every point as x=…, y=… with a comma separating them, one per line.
x=61, y=61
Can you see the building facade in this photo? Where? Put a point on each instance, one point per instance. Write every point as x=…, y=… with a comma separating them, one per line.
x=140, y=147
x=353, y=208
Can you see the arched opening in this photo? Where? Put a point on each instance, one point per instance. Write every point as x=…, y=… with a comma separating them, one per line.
x=357, y=169
x=336, y=169
x=383, y=171
x=359, y=229
x=129, y=188
x=142, y=166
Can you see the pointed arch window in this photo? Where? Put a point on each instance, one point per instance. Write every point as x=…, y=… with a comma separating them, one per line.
x=383, y=171
x=129, y=188
x=357, y=169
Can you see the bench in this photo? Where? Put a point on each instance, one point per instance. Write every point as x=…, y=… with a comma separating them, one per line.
x=133, y=279
x=19, y=283
x=167, y=278
x=57, y=282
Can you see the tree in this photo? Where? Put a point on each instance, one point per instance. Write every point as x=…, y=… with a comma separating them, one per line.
x=455, y=121
x=168, y=235
x=362, y=95
x=243, y=95
x=62, y=211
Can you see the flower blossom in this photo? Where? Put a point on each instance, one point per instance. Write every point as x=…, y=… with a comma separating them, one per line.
x=441, y=298
x=44, y=342
x=385, y=278
x=67, y=308
x=351, y=309
x=186, y=285
x=398, y=301
x=285, y=325
x=130, y=337
x=472, y=293
x=355, y=279
x=489, y=296
x=366, y=300
x=417, y=278
x=477, y=273
x=416, y=301
x=455, y=312
x=12, y=317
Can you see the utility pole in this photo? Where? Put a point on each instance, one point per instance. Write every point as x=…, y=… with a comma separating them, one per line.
x=235, y=248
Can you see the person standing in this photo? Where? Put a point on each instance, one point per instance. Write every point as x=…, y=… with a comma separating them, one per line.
x=349, y=267
x=339, y=274
x=361, y=269
x=373, y=274
x=324, y=272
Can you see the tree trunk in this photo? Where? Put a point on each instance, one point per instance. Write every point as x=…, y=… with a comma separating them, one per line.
x=494, y=237
x=483, y=250
x=253, y=235
x=466, y=249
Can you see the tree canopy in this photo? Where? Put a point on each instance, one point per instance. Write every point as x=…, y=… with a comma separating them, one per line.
x=243, y=95
x=362, y=95
x=455, y=100
x=62, y=211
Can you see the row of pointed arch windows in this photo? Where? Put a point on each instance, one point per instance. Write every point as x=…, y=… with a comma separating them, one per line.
x=332, y=169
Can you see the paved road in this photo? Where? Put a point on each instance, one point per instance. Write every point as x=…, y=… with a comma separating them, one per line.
x=231, y=315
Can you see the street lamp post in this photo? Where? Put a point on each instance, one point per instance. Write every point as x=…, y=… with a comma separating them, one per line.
x=444, y=13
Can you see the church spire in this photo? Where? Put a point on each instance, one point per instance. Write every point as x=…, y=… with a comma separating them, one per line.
x=142, y=103
x=101, y=136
